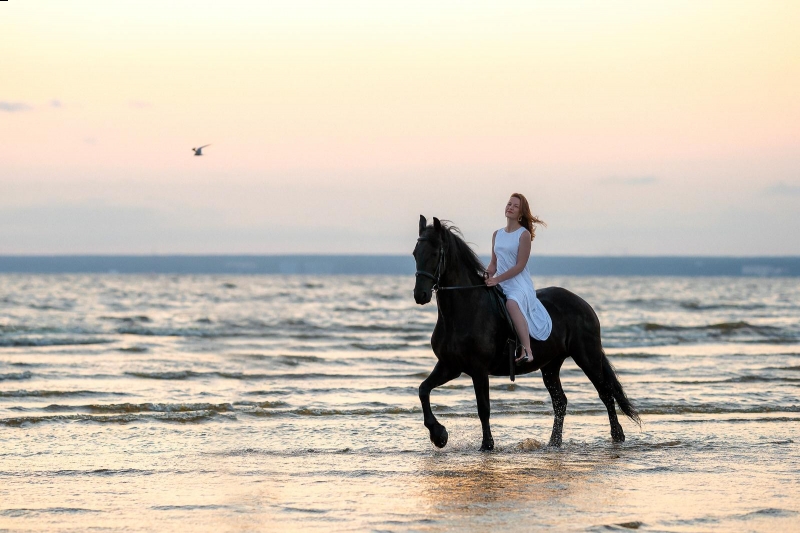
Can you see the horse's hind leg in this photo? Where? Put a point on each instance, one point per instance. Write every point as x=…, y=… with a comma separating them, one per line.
x=590, y=360
x=439, y=376
x=553, y=383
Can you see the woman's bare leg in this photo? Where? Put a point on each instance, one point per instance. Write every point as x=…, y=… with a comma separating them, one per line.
x=521, y=325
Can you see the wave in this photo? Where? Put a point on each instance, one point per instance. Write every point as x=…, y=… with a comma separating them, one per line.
x=739, y=379
x=15, y=376
x=56, y=394
x=291, y=323
x=634, y=355
x=391, y=328
x=49, y=341
x=175, y=332
x=416, y=337
x=127, y=319
x=173, y=375
x=223, y=331
x=310, y=391
x=296, y=360
x=38, y=330
x=190, y=374
x=770, y=512
x=293, y=360
x=141, y=325
x=383, y=361
x=679, y=409
x=693, y=305
x=387, y=296
x=524, y=407
x=17, y=513
x=262, y=405
x=782, y=419
x=365, y=411
x=184, y=418
x=722, y=327
x=67, y=306
x=190, y=507
x=102, y=472
x=143, y=408
x=198, y=412
x=655, y=333
x=382, y=346
x=352, y=309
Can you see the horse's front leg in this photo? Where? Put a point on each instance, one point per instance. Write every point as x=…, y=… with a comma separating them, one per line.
x=439, y=376
x=481, y=384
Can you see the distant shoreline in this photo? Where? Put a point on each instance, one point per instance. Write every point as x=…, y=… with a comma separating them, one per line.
x=394, y=264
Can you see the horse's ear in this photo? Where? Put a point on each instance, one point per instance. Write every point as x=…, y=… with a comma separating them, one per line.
x=437, y=225
x=422, y=224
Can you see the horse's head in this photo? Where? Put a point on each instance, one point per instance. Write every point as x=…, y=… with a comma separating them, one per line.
x=428, y=254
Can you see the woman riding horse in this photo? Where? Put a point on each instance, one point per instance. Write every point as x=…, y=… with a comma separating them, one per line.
x=471, y=334
x=511, y=249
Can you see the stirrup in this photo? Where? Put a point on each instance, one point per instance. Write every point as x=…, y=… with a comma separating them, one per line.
x=526, y=358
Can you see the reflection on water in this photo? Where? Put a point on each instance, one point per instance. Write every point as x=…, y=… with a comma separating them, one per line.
x=257, y=402
x=472, y=482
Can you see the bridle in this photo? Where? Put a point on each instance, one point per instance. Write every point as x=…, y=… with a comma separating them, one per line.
x=439, y=272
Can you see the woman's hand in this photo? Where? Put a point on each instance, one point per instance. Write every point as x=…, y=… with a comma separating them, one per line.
x=490, y=280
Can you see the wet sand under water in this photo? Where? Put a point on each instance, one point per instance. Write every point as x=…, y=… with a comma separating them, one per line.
x=704, y=477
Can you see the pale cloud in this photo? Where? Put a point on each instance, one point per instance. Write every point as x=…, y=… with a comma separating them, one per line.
x=138, y=104
x=628, y=180
x=14, y=107
x=783, y=189
x=56, y=103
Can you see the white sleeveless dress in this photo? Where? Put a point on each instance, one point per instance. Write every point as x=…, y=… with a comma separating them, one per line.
x=520, y=287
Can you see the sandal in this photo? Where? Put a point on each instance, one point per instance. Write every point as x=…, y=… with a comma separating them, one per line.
x=527, y=357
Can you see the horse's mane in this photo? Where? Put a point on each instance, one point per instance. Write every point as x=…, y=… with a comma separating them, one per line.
x=458, y=251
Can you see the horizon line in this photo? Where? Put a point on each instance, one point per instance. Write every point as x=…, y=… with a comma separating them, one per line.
x=301, y=254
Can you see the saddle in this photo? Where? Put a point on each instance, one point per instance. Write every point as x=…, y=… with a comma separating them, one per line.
x=512, y=344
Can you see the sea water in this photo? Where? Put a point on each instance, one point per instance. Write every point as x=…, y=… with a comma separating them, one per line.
x=230, y=403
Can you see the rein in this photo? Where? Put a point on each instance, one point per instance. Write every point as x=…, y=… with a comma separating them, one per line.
x=437, y=275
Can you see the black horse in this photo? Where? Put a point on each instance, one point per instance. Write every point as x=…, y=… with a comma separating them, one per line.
x=471, y=335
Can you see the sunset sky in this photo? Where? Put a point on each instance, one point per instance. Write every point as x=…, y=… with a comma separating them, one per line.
x=653, y=128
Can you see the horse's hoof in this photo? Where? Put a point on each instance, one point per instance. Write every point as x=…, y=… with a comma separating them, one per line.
x=618, y=435
x=554, y=443
x=487, y=445
x=439, y=436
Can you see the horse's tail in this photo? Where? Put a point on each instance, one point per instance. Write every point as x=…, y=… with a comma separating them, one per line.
x=610, y=378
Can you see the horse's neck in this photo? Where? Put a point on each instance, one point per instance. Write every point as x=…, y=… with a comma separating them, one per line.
x=460, y=306
x=459, y=277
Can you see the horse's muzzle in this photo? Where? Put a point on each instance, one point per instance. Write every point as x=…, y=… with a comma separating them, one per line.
x=423, y=296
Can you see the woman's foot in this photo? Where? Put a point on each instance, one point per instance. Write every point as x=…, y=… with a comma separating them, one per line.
x=526, y=357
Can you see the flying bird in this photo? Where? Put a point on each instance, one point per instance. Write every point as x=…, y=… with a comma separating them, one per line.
x=199, y=151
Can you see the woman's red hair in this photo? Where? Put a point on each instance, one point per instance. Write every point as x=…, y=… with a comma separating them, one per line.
x=529, y=220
